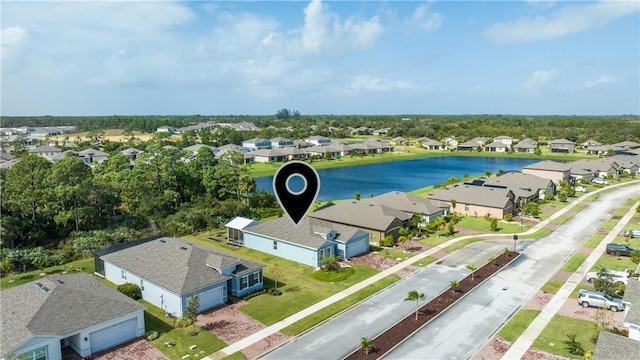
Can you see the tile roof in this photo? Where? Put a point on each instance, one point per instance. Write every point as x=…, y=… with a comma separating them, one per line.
x=476, y=195
x=173, y=263
x=363, y=214
x=309, y=231
x=71, y=303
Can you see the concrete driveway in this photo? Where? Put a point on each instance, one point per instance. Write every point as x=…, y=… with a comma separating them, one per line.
x=462, y=330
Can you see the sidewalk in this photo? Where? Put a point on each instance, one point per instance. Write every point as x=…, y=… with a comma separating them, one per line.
x=262, y=334
x=524, y=342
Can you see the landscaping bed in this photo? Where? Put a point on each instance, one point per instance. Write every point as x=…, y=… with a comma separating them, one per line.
x=407, y=326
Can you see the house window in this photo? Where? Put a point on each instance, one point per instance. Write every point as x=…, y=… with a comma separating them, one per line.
x=37, y=354
x=466, y=207
x=244, y=282
x=321, y=254
x=257, y=278
x=141, y=284
x=328, y=252
x=123, y=274
x=275, y=245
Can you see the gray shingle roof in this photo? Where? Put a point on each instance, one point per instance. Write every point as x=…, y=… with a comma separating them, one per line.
x=175, y=264
x=76, y=302
x=519, y=180
x=632, y=296
x=44, y=148
x=548, y=165
x=476, y=195
x=614, y=346
x=407, y=202
x=307, y=233
x=362, y=214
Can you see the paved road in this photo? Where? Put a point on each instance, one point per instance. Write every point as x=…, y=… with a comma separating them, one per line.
x=462, y=330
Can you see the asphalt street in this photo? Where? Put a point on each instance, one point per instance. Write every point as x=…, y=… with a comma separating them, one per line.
x=461, y=331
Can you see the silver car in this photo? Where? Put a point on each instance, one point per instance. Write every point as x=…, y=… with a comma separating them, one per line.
x=589, y=298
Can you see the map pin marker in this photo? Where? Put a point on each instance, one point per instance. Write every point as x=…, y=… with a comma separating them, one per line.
x=296, y=203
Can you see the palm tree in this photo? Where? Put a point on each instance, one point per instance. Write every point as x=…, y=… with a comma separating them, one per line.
x=366, y=344
x=488, y=173
x=473, y=269
x=414, y=295
x=492, y=261
x=405, y=235
x=454, y=285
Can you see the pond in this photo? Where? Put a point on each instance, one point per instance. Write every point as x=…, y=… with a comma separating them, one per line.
x=406, y=175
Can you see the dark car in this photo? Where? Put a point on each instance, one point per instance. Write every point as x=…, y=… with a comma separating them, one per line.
x=620, y=249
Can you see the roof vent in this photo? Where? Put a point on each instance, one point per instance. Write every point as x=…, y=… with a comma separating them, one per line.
x=163, y=241
x=44, y=289
x=39, y=285
x=60, y=281
x=183, y=248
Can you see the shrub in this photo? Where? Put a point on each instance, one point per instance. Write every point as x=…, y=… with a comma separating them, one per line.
x=269, y=291
x=183, y=322
x=152, y=335
x=562, y=197
x=635, y=257
x=131, y=290
x=508, y=217
x=387, y=241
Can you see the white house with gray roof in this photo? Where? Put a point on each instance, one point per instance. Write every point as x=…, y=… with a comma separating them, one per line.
x=308, y=242
x=41, y=319
x=170, y=271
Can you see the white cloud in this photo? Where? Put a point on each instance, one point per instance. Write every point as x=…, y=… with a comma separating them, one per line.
x=368, y=83
x=605, y=79
x=423, y=18
x=564, y=21
x=538, y=80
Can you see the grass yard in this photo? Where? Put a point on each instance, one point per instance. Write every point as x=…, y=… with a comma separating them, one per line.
x=433, y=241
x=594, y=241
x=86, y=265
x=425, y=261
x=512, y=330
x=238, y=355
x=552, y=337
x=538, y=234
x=552, y=286
x=179, y=338
x=335, y=308
x=461, y=244
x=614, y=263
x=482, y=224
x=393, y=254
x=574, y=262
x=574, y=293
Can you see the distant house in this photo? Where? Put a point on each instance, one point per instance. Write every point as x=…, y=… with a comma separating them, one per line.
x=90, y=156
x=399, y=140
x=506, y=140
x=379, y=145
x=525, y=187
x=308, y=242
x=469, y=146
x=630, y=164
x=383, y=131
x=293, y=153
x=46, y=151
x=256, y=143
x=496, y=147
x=7, y=160
x=280, y=142
x=477, y=200
x=525, y=146
x=72, y=312
x=414, y=205
x=132, y=153
x=561, y=146
x=431, y=144
x=590, y=143
x=451, y=142
x=592, y=168
x=170, y=271
x=268, y=155
x=379, y=220
x=318, y=140
x=248, y=157
x=547, y=169
x=166, y=129
x=244, y=126
x=628, y=145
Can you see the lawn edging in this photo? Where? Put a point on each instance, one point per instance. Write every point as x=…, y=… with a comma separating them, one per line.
x=357, y=354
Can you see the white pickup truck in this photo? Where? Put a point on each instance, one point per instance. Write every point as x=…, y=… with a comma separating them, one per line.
x=616, y=276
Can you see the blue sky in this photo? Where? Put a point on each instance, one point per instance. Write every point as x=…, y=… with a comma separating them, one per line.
x=329, y=57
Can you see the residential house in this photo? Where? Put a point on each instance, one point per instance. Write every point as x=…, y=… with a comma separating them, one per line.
x=383, y=131
x=525, y=146
x=399, y=140
x=632, y=315
x=506, y=140
x=132, y=153
x=628, y=145
x=630, y=164
x=450, y=142
x=166, y=129
x=256, y=143
x=380, y=146
x=322, y=151
x=235, y=229
x=248, y=157
x=480, y=140
x=90, y=156
x=525, y=187
x=69, y=313
x=604, y=150
x=477, y=200
x=561, y=146
x=170, y=271
x=308, y=242
x=431, y=144
x=414, y=205
x=268, y=155
x=244, y=126
x=194, y=149
x=590, y=143
x=46, y=151
x=613, y=346
x=595, y=168
x=496, y=147
x=547, y=169
x=362, y=130
x=318, y=141
x=470, y=145
x=376, y=219
x=280, y=142
x=7, y=160
x=293, y=153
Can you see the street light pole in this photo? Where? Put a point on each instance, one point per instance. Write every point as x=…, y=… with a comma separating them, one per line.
x=515, y=239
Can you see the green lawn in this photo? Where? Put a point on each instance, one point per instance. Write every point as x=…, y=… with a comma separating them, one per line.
x=614, y=263
x=512, y=330
x=433, y=240
x=425, y=261
x=333, y=309
x=86, y=265
x=482, y=224
x=552, y=286
x=538, y=234
x=180, y=338
x=236, y=356
x=394, y=254
x=552, y=337
x=460, y=244
x=574, y=262
x=594, y=241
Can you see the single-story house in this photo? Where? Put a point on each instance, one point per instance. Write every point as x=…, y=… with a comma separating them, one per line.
x=46, y=151
x=166, y=129
x=279, y=142
x=90, y=156
x=506, y=140
x=548, y=169
x=526, y=146
x=431, y=144
x=399, y=140
x=256, y=144
x=590, y=168
x=629, y=164
x=293, y=153
x=132, y=153
x=496, y=147
x=383, y=131
x=469, y=146
x=477, y=200
x=379, y=220
x=308, y=242
x=589, y=143
x=521, y=184
x=380, y=146
x=45, y=317
x=318, y=140
x=412, y=204
x=170, y=271
x=268, y=155
x=561, y=146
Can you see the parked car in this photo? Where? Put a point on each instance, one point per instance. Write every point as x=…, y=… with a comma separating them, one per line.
x=599, y=181
x=620, y=249
x=588, y=298
x=616, y=276
x=634, y=233
x=581, y=189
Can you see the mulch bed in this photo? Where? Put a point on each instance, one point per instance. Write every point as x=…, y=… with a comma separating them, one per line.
x=404, y=328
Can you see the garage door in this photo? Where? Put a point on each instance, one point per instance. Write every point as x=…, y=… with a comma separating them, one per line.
x=113, y=335
x=357, y=248
x=211, y=298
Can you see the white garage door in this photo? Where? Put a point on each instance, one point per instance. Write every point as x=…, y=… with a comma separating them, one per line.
x=113, y=335
x=211, y=298
x=357, y=248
